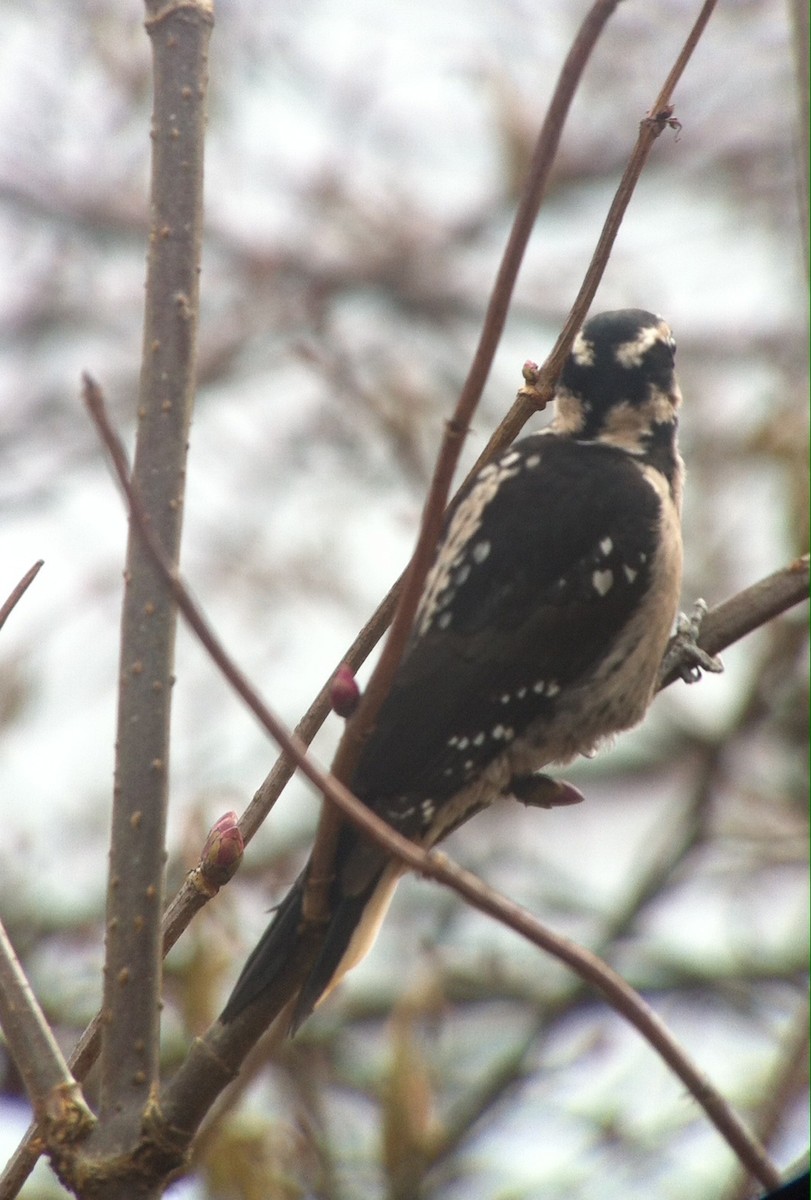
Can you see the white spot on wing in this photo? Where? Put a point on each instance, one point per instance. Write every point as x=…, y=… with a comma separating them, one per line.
x=602, y=582
x=606, y=546
x=630, y=573
x=459, y=548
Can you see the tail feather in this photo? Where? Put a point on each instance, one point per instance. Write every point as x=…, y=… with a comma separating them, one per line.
x=270, y=955
x=348, y=937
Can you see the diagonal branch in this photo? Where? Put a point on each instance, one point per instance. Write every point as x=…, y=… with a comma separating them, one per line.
x=722, y=626
x=190, y=1093
x=54, y=1093
x=529, y=400
x=410, y=587
x=17, y=592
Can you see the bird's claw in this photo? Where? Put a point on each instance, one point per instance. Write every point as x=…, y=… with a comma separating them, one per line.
x=684, y=658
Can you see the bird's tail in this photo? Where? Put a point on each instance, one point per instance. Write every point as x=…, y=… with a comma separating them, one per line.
x=269, y=956
x=347, y=938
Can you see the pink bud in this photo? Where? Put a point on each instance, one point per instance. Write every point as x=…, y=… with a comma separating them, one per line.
x=344, y=694
x=222, y=852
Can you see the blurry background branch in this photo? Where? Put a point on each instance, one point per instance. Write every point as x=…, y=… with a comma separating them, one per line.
x=364, y=230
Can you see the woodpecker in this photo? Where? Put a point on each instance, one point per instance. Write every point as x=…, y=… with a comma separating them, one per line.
x=539, y=633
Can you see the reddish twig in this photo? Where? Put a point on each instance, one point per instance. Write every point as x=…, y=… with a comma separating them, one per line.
x=529, y=400
x=659, y=117
x=432, y=865
x=409, y=588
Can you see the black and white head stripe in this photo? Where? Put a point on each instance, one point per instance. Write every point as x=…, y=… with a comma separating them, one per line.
x=620, y=370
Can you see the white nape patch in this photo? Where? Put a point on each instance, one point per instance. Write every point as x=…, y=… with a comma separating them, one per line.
x=628, y=425
x=531, y=461
x=480, y=552
x=602, y=582
x=583, y=351
x=606, y=546
x=630, y=573
x=570, y=413
x=630, y=354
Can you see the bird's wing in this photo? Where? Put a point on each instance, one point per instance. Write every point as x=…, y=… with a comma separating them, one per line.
x=570, y=553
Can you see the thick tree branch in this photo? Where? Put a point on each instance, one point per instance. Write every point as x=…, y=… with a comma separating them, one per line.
x=129, y=1054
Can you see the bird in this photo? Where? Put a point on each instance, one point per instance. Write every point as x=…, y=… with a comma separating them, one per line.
x=539, y=633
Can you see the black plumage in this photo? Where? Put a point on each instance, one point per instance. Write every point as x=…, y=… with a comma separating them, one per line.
x=539, y=632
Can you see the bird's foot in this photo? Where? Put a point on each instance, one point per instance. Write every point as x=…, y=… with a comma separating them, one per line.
x=684, y=658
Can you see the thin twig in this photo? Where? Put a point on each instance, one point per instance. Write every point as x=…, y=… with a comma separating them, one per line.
x=54, y=1093
x=788, y=1081
x=19, y=591
x=315, y=901
x=659, y=117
